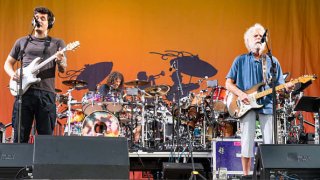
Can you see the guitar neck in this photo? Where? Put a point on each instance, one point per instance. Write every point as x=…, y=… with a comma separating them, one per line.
x=269, y=91
x=46, y=61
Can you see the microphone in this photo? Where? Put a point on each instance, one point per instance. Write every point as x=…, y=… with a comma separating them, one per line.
x=264, y=36
x=36, y=22
x=200, y=80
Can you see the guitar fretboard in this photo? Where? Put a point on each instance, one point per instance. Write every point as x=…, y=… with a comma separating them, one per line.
x=269, y=91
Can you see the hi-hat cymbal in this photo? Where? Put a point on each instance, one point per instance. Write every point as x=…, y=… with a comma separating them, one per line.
x=58, y=90
x=74, y=83
x=137, y=83
x=157, y=90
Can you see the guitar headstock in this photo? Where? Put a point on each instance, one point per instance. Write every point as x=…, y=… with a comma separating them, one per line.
x=306, y=78
x=73, y=45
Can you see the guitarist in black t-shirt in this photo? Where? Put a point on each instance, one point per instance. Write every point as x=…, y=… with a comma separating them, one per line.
x=38, y=101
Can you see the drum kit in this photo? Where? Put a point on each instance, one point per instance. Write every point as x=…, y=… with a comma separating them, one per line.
x=146, y=117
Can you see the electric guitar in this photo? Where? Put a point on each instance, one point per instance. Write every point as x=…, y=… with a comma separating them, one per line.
x=30, y=72
x=237, y=108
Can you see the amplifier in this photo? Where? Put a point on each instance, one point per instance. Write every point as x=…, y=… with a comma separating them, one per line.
x=15, y=160
x=299, y=161
x=80, y=157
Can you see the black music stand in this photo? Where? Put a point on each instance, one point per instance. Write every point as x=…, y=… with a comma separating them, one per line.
x=308, y=104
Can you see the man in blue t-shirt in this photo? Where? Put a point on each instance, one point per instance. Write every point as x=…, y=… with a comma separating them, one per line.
x=246, y=71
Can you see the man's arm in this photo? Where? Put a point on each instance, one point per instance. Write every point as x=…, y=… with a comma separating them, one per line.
x=230, y=85
x=61, y=60
x=8, y=67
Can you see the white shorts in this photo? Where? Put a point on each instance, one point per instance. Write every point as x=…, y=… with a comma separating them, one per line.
x=248, y=128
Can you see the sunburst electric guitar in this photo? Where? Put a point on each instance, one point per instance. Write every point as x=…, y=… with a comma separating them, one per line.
x=237, y=108
x=30, y=72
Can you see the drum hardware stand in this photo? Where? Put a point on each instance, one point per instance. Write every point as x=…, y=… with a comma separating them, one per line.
x=143, y=124
x=155, y=116
x=69, y=109
x=173, y=117
x=162, y=118
x=131, y=120
x=133, y=105
x=142, y=118
x=194, y=173
x=205, y=118
x=214, y=115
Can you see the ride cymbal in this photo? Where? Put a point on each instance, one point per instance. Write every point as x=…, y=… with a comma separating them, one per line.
x=75, y=83
x=157, y=90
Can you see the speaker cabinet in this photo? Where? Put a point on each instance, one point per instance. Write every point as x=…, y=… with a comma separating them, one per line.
x=15, y=159
x=180, y=170
x=300, y=161
x=78, y=157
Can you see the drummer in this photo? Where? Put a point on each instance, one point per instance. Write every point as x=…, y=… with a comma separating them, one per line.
x=114, y=84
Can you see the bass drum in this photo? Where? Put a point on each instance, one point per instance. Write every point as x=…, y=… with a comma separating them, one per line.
x=101, y=123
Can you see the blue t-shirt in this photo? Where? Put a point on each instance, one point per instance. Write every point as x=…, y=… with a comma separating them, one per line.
x=247, y=72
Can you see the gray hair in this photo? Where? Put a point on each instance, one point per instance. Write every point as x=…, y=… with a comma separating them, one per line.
x=249, y=34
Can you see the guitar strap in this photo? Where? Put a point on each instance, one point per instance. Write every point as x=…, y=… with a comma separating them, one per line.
x=264, y=69
x=46, y=45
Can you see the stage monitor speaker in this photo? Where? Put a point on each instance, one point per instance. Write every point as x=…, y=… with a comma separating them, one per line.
x=15, y=160
x=300, y=161
x=180, y=170
x=80, y=157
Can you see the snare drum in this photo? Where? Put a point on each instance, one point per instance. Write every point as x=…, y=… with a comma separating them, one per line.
x=91, y=102
x=101, y=123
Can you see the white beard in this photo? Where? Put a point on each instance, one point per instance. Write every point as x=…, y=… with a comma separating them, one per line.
x=257, y=47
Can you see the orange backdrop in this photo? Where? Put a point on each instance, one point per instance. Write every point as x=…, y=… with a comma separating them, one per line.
x=125, y=31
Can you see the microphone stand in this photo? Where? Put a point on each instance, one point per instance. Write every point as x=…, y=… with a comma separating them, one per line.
x=274, y=98
x=20, y=90
x=180, y=93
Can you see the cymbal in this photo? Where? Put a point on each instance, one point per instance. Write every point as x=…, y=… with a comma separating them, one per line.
x=58, y=90
x=157, y=90
x=137, y=82
x=62, y=98
x=74, y=83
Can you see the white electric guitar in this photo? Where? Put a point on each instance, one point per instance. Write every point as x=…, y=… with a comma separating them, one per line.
x=237, y=108
x=30, y=72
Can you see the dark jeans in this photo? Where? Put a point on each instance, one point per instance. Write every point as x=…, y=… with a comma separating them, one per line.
x=39, y=105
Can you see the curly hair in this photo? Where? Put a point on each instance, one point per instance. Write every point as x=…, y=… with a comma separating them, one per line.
x=113, y=77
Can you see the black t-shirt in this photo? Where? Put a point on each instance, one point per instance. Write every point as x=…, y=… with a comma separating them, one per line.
x=35, y=49
x=106, y=90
